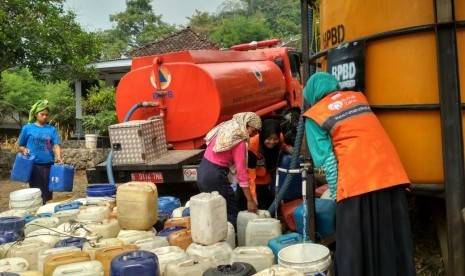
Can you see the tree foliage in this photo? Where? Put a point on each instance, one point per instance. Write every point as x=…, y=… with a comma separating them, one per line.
x=42, y=36
x=99, y=110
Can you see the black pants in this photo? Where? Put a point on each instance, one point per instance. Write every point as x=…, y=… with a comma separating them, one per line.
x=39, y=179
x=373, y=235
x=212, y=177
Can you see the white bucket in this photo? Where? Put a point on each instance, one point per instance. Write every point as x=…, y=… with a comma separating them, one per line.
x=91, y=141
x=310, y=258
x=29, y=198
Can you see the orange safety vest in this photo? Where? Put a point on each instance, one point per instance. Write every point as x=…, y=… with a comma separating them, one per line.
x=367, y=159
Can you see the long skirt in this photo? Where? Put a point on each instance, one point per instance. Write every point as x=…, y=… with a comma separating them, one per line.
x=212, y=177
x=39, y=179
x=373, y=235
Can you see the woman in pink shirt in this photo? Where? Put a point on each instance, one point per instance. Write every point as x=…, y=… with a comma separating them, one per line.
x=226, y=156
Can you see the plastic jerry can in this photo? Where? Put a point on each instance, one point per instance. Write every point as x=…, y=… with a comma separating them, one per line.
x=236, y=269
x=106, y=229
x=51, y=251
x=27, y=250
x=93, y=213
x=278, y=243
x=8, y=236
x=168, y=254
x=66, y=215
x=91, y=247
x=190, y=265
x=15, y=224
x=73, y=241
x=67, y=206
x=88, y=268
x=106, y=254
x=279, y=271
x=53, y=261
x=325, y=218
x=61, y=178
x=166, y=205
x=180, y=238
x=47, y=236
x=137, y=205
x=243, y=217
x=139, y=262
x=287, y=211
x=152, y=243
x=13, y=265
x=30, y=273
x=231, y=237
x=260, y=257
x=167, y=231
x=177, y=213
x=209, y=223
x=130, y=236
x=260, y=231
x=22, y=167
x=219, y=252
x=180, y=221
x=14, y=213
x=41, y=223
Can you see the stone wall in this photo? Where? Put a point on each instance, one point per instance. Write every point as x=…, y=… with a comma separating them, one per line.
x=74, y=153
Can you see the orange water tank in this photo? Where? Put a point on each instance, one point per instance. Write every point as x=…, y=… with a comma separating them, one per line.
x=198, y=89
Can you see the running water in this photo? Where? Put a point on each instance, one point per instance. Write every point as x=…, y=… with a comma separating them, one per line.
x=304, y=202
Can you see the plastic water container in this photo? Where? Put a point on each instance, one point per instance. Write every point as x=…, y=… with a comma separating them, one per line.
x=137, y=205
x=13, y=265
x=91, y=247
x=106, y=254
x=61, y=178
x=261, y=257
x=130, y=236
x=28, y=199
x=278, y=243
x=166, y=205
x=74, y=230
x=260, y=231
x=236, y=269
x=325, y=218
x=14, y=213
x=88, y=268
x=73, y=241
x=167, y=231
x=219, y=252
x=67, y=206
x=190, y=265
x=182, y=238
x=209, y=223
x=243, y=217
x=51, y=262
x=15, y=224
x=182, y=221
x=50, y=251
x=67, y=215
x=186, y=212
x=47, y=236
x=27, y=250
x=279, y=271
x=101, y=190
x=287, y=212
x=168, y=254
x=40, y=223
x=8, y=236
x=22, y=167
x=177, y=213
x=30, y=217
x=231, y=237
x=139, y=262
x=309, y=258
x=106, y=229
x=93, y=213
x=152, y=243
x=30, y=273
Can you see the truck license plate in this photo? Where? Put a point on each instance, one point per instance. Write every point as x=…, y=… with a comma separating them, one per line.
x=155, y=177
x=189, y=174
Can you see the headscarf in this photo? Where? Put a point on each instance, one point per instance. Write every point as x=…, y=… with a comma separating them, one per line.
x=36, y=108
x=232, y=132
x=271, y=156
x=318, y=86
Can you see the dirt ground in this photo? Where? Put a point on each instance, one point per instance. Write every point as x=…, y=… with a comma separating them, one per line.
x=428, y=260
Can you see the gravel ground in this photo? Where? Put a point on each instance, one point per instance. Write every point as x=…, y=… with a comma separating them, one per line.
x=428, y=259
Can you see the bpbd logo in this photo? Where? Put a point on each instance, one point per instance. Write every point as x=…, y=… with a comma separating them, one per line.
x=259, y=76
x=164, y=77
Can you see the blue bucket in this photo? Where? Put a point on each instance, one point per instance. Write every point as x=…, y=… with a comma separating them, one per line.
x=22, y=167
x=61, y=178
x=101, y=190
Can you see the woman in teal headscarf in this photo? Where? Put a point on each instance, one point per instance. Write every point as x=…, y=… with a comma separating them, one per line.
x=40, y=139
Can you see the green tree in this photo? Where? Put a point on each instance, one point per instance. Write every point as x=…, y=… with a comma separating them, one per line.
x=99, y=110
x=203, y=22
x=42, y=36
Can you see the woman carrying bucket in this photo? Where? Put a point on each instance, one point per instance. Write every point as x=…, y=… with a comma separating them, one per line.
x=40, y=139
x=365, y=176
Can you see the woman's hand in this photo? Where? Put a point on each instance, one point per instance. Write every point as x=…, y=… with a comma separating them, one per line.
x=252, y=206
x=25, y=151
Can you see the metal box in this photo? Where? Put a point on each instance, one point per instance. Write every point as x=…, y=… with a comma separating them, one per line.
x=138, y=141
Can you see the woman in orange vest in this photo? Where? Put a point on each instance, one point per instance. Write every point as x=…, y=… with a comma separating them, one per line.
x=263, y=156
x=365, y=176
